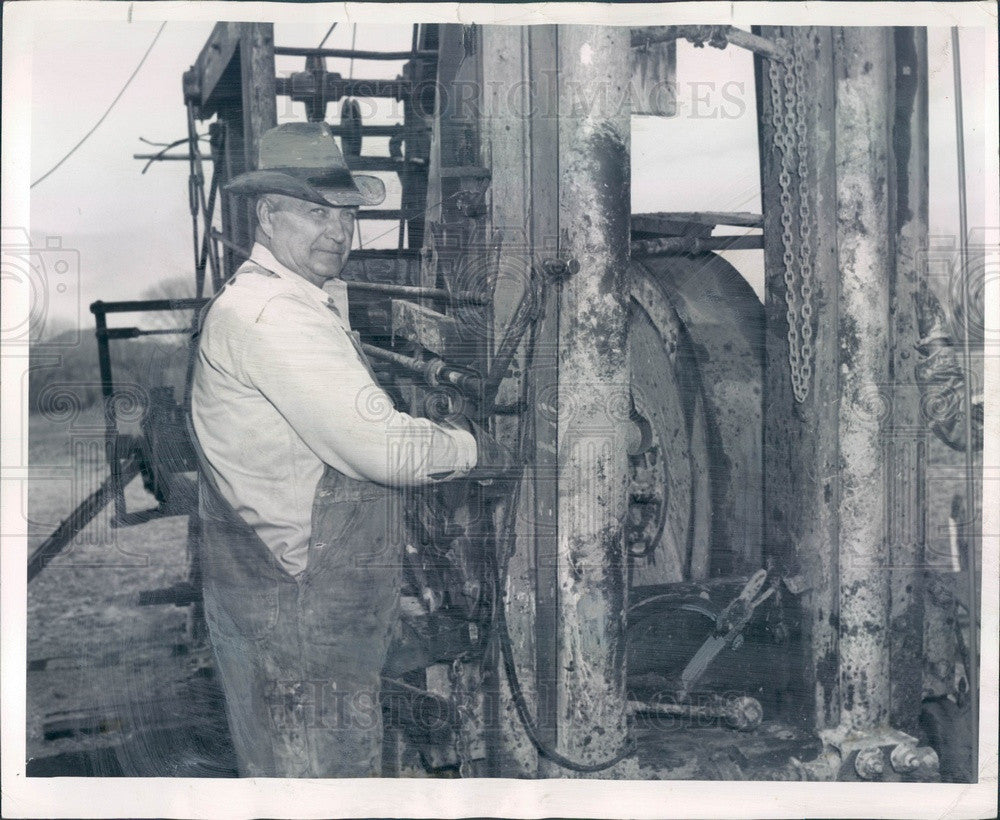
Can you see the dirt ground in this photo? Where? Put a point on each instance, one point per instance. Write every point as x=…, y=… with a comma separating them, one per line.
x=99, y=665
x=128, y=681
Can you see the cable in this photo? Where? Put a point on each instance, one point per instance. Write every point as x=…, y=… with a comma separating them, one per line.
x=128, y=82
x=354, y=37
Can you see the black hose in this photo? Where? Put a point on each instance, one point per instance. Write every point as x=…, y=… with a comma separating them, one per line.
x=521, y=705
x=506, y=541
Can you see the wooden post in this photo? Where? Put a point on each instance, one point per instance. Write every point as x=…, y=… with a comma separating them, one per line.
x=506, y=151
x=234, y=79
x=260, y=110
x=544, y=376
x=842, y=468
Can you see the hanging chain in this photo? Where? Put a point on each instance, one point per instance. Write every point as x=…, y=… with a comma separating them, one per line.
x=788, y=117
x=463, y=702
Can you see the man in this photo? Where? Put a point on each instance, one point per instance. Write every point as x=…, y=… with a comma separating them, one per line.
x=300, y=449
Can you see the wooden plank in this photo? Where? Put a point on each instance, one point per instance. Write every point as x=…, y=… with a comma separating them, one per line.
x=506, y=151
x=423, y=326
x=710, y=219
x=544, y=237
x=212, y=63
x=654, y=79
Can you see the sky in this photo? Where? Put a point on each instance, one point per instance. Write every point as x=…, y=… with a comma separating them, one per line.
x=130, y=230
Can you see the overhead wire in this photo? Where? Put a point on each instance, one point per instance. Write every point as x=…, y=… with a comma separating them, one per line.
x=104, y=116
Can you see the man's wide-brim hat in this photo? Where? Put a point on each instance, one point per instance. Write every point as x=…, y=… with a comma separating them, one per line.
x=302, y=160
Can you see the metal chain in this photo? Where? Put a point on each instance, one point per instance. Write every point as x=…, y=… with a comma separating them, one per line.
x=805, y=220
x=462, y=700
x=788, y=101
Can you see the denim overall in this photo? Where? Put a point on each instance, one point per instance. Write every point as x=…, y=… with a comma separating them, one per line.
x=300, y=657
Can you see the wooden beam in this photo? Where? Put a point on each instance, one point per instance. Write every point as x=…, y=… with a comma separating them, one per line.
x=260, y=108
x=211, y=65
x=506, y=151
x=544, y=236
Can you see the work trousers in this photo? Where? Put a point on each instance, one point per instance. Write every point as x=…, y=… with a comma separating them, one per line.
x=300, y=657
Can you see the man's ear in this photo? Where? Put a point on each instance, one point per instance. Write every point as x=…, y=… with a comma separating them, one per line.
x=265, y=210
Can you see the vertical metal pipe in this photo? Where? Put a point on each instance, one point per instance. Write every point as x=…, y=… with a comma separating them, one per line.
x=906, y=446
x=593, y=389
x=110, y=417
x=544, y=376
x=863, y=58
x=972, y=500
x=800, y=440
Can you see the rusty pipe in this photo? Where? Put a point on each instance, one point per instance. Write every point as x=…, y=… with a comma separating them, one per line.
x=862, y=62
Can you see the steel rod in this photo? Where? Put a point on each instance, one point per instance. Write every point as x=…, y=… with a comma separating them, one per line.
x=144, y=305
x=678, y=245
x=347, y=53
x=737, y=37
x=972, y=505
x=136, y=332
x=433, y=370
x=414, y=292
x=78, y=519
x=333, y=87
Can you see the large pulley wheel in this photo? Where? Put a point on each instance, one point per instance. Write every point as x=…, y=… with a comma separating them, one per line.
x=669, y=514
x=696, y=505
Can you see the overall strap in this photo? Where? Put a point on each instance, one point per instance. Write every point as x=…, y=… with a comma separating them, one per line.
x=213, y=501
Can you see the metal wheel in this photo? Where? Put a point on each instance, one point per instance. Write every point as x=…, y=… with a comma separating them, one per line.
x=669, y=500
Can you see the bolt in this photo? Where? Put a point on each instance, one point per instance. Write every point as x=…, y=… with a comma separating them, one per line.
x=869, y=764
x=744, y=714
x=904, y=758
x=561, y=268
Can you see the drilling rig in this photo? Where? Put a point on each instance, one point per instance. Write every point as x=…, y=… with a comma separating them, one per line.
x=698, y=539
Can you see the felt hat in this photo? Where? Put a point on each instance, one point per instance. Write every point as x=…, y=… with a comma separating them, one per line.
x=302, y=160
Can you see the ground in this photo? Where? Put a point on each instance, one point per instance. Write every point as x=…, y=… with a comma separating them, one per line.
x=99, y=664
x=128, y=681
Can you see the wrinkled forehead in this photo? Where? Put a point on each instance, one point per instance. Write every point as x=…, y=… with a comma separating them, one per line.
x=331, y=194
x=302, y=205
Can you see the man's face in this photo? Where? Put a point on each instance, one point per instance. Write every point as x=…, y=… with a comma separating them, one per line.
x=312, y=240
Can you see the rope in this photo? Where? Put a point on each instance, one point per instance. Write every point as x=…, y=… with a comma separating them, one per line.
x=104, y=116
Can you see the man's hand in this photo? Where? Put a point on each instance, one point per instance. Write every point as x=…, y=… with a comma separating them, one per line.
x=495, y=463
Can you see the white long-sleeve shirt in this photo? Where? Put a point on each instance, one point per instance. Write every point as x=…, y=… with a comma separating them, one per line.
x=279, y=390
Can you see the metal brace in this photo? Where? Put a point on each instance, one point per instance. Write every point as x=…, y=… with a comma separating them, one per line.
x=728, y=631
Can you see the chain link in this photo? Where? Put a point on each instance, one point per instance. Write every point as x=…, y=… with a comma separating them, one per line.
x=788, y=117
x=463, y=701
